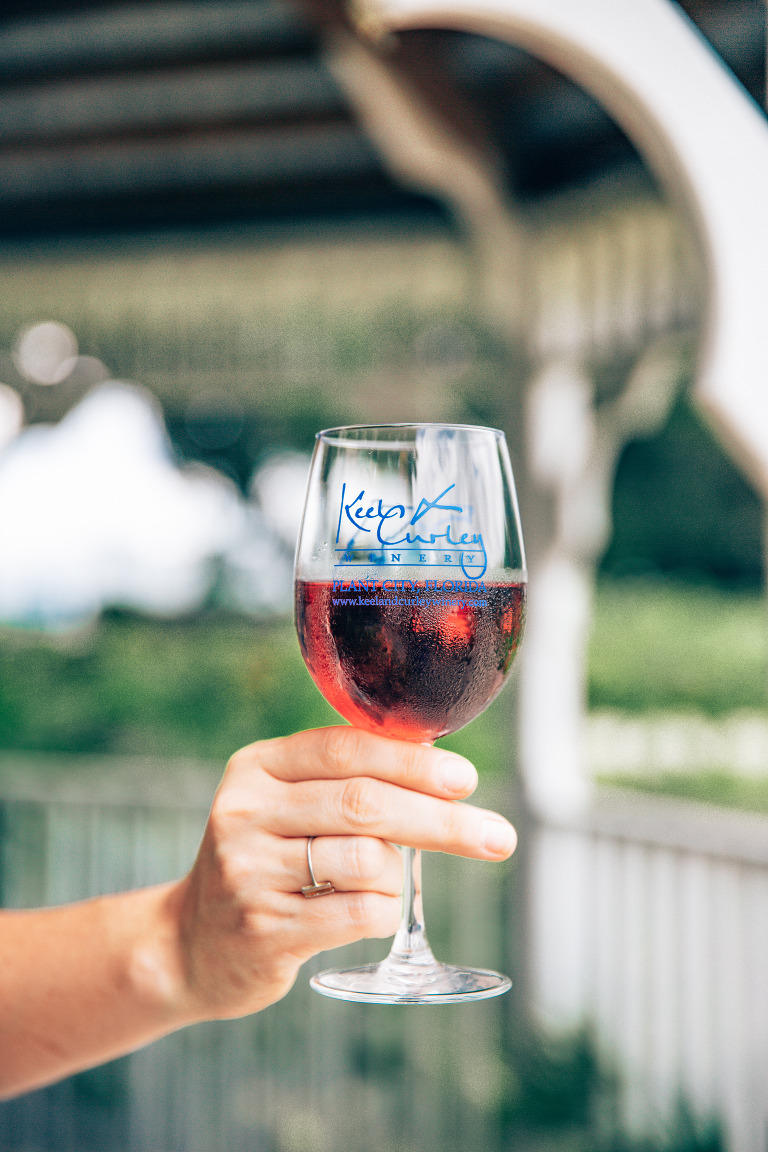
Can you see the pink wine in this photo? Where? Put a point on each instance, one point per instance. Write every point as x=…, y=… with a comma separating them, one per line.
x=414, y=664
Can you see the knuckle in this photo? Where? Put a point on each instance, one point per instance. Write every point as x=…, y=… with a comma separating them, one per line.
x=412, y=763
x=365, y=910
x=220, y=822
x=253, y=761
x=455, y=824
x=254, y=924
x=235, y=871
x=341, y=748
x=364, y=858
x=228, y=815
x=246, y=803
x=229, y=839
x=361, y=803
x=373, y=915
x=358, y=906
x=262, y=923
x=245, y=759
x=237, y=760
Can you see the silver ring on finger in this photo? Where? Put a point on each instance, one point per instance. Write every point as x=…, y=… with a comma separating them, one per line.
x=324, y=888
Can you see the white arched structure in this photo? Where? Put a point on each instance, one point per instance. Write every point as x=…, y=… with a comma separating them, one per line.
x=701, y=134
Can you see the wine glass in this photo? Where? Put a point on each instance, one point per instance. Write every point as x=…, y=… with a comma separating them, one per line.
x=410, y=587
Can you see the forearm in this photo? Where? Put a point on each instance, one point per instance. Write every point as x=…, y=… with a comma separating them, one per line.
x=87, y=982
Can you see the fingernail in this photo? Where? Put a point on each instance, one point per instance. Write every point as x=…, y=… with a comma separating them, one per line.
x=498, y=837
x=457, y=775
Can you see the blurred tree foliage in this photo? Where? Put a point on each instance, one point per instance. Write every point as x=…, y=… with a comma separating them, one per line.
x=682, y=507
x=557, y=1096
x=201, y=686
x=205, y=685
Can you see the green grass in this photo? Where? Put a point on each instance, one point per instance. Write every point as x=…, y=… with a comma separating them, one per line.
x=678, y=647
x=668, y=646
x=672, y=647
x=724, y=788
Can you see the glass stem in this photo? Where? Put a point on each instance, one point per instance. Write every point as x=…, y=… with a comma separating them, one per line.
x=411, y=942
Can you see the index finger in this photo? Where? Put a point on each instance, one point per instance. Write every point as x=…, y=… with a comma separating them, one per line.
x=339, y=753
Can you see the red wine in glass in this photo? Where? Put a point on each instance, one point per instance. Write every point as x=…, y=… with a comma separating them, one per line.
x=414, y=664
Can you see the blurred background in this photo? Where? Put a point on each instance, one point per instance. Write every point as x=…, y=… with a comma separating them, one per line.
x=213, y=243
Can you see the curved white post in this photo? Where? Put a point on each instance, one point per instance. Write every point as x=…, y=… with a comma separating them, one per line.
x=704, y=138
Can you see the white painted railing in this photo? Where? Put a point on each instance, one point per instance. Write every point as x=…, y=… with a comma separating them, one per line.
x=649, y=921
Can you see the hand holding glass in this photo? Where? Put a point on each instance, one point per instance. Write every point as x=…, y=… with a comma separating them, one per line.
x=410, y=603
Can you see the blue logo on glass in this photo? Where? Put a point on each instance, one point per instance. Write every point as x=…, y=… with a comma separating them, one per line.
x=437, y=543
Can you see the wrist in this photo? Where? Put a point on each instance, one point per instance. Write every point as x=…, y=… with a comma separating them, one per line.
x=156, y=968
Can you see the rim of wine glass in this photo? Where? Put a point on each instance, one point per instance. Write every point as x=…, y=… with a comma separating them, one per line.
x=328, y=433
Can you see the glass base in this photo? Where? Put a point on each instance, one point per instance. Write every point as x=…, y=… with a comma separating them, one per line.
x=396, y=981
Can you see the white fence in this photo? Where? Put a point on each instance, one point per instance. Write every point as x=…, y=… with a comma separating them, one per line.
x=649, y=921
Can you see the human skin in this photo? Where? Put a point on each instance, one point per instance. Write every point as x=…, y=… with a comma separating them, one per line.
x=84, y=983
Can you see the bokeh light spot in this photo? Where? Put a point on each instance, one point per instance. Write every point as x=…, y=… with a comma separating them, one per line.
x=45, y=353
